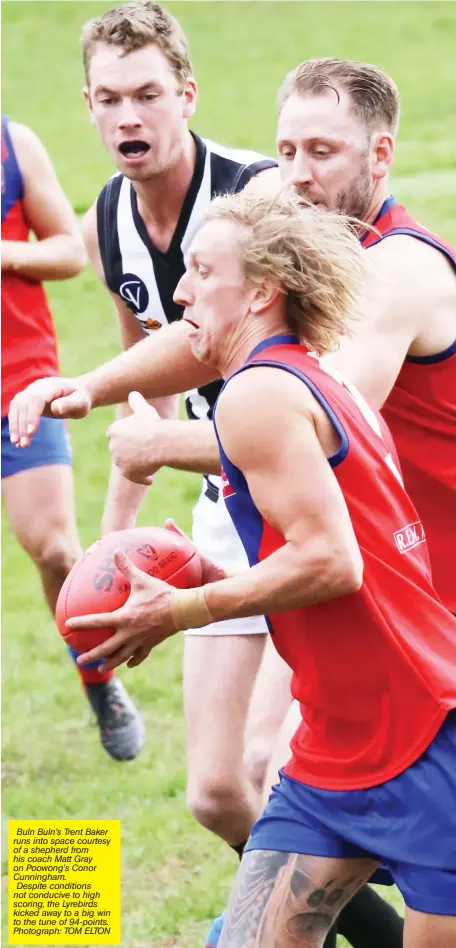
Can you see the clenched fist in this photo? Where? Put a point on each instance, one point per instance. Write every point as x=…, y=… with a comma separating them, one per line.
x=136, y=442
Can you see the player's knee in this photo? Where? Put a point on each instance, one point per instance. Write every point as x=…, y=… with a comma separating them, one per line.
x=215, y=803
x=256, y=761
x=55, y=556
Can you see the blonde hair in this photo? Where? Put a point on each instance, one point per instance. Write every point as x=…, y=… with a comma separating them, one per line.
x=133, y=26
x=373, y=94
x=314, y=255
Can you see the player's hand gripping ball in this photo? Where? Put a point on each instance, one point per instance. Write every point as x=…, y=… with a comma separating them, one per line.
x=95, y=584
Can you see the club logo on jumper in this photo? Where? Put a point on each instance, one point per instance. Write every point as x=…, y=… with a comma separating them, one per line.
x=227, y=489
x=409, y=537
x=135, y=293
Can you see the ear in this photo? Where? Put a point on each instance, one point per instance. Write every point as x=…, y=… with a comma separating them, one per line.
x=266, y=294
x=383, y=149
x=88, y=102
x=190, y=95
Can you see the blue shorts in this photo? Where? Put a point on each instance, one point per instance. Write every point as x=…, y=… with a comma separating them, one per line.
x=50, y=445
x=408, y=824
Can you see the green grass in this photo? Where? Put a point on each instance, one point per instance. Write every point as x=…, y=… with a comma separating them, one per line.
x=175, y=875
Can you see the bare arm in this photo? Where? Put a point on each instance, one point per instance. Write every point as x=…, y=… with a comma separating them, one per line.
x=189, y=446
x=58, y=252
x=411, y=309
x=320, y=559
x=124, y=496
x=293, y=487
x=144, y=442
x=163, y=364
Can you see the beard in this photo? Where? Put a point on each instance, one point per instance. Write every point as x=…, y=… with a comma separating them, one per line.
x=355, y=199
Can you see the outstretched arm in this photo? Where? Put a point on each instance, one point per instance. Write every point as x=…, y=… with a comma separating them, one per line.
x=162, y=364
x=58, y=252
x=159, y=365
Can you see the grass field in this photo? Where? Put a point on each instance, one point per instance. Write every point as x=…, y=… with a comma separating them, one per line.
x=175, y=875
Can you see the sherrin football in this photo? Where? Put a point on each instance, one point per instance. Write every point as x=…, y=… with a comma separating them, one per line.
x=95, y=584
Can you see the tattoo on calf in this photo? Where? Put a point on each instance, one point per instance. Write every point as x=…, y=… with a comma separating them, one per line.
x=255, y=882
x=273, y=904
x=309, y=923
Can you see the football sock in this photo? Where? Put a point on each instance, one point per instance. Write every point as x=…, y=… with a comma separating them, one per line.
x=367, y=921
x=89, y=673
x=239, y=849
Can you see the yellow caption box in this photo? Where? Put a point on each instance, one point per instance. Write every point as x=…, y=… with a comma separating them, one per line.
x=64, y=882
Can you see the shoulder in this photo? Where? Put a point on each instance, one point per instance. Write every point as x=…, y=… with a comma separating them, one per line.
x=261, y=415
x=100, y=227
x=89, y=226
x=29, y=149
x=409, y=280
x=412, y=266
x=108, y=197
x=241, y=156
x=262, y=399
x=233, y=168
x=22, y=136
x=91, y=242
x=92, y=246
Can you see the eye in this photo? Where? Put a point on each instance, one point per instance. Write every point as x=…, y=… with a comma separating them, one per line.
x=288, y=153
x=202, y=272
x=108, y=100
x=149, y=96
x=321, y=151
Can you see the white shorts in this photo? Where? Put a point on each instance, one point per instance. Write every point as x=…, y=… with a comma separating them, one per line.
x=216, y=537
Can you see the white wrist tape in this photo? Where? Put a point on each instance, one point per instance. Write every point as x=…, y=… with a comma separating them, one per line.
x=189, y=609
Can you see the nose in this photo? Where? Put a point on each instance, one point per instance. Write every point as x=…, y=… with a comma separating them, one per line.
x=183, y=293
x=301, y=174
x=128, y=117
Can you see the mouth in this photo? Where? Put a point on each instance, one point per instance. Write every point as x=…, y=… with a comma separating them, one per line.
x=305, y=200
x=134, y=150
x=190, y=322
